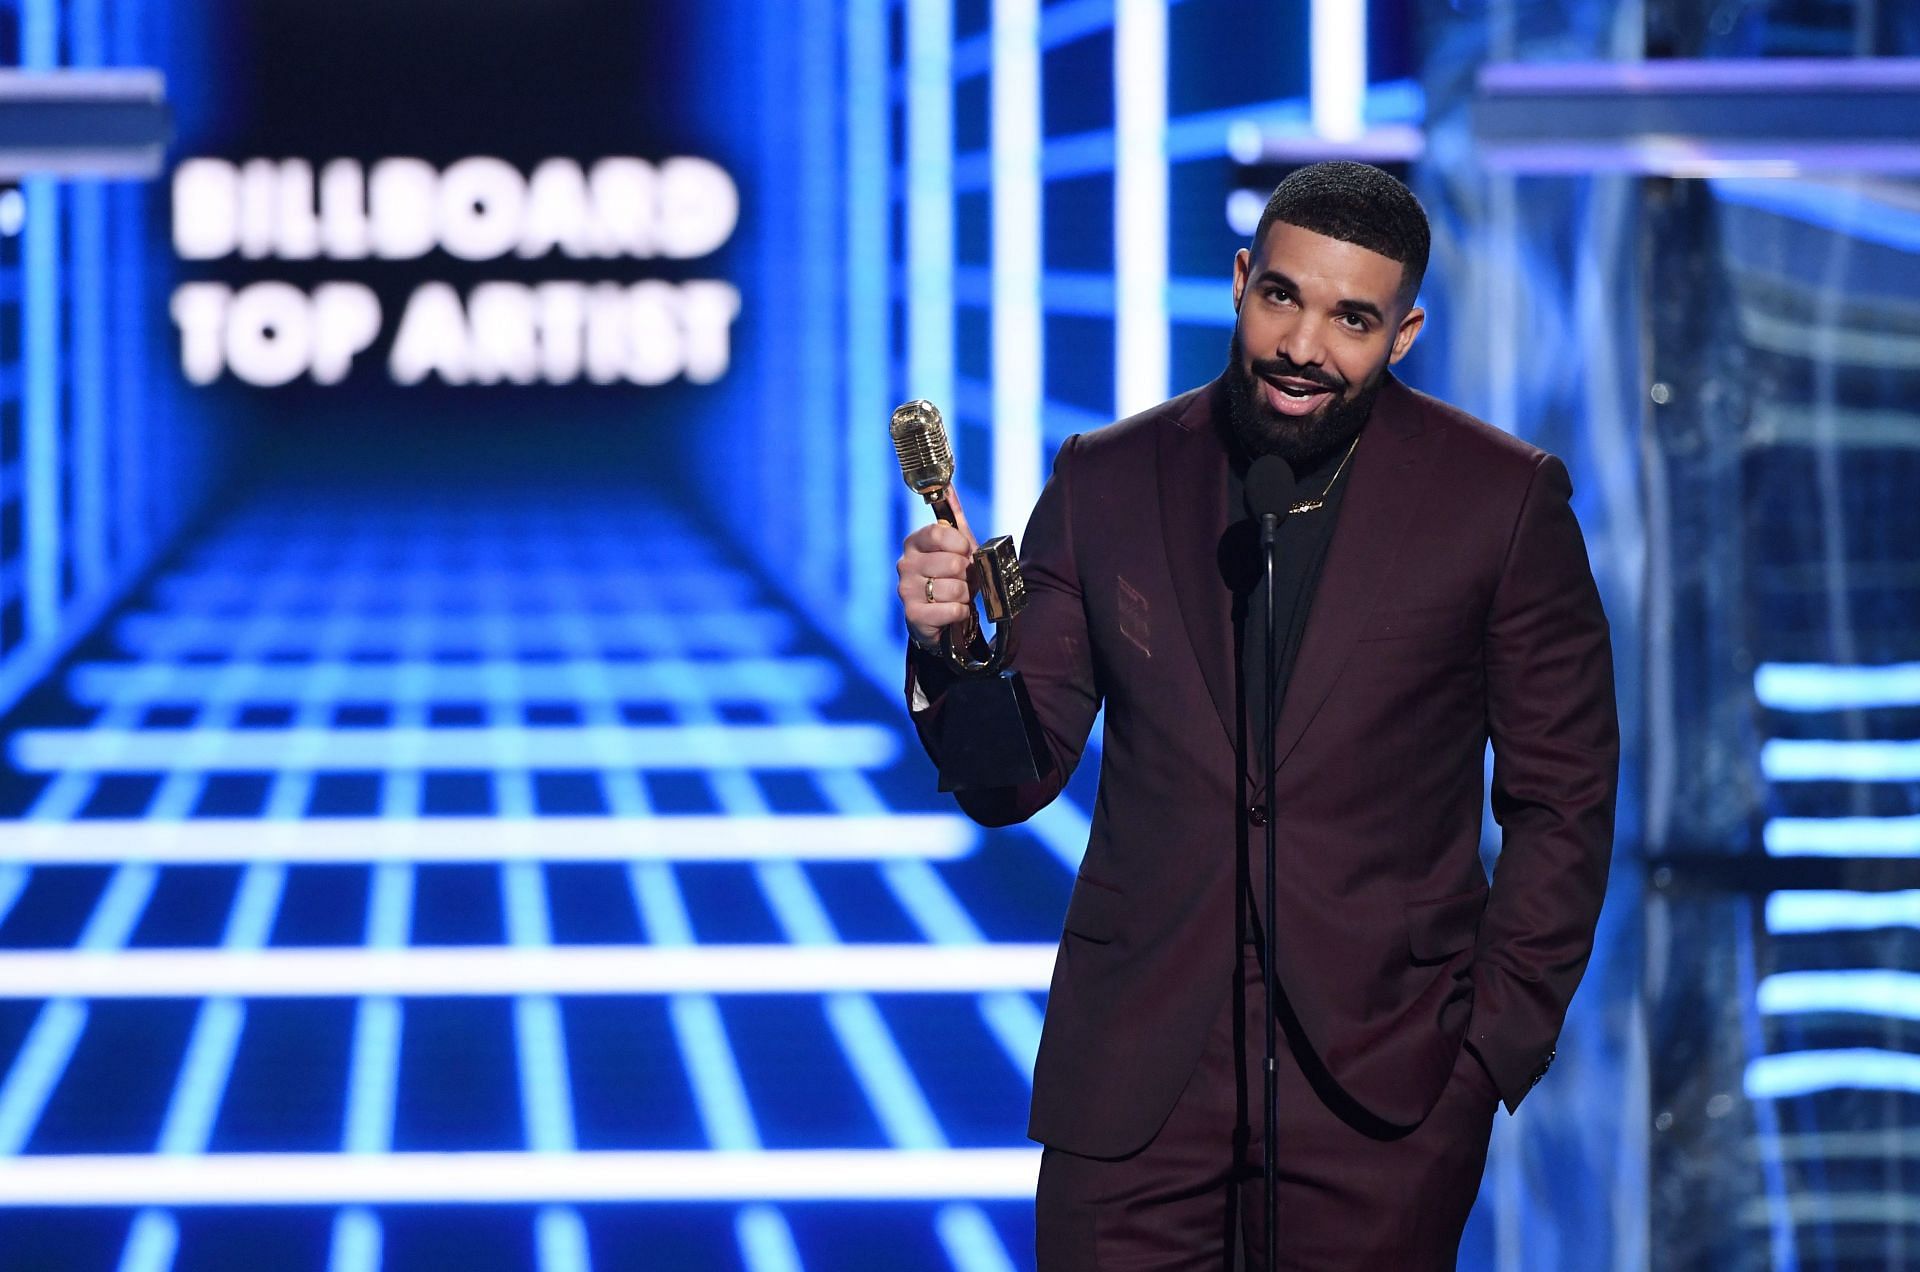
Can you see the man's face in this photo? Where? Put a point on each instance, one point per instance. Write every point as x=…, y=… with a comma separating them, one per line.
x=1320, y=321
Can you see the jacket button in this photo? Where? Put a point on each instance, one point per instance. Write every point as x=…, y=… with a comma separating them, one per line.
x=1257, y=814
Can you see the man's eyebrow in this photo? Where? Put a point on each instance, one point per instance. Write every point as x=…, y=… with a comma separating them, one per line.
x=1272, y=275
x=1347, y=305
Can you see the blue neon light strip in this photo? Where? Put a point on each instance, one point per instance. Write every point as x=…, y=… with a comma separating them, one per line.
x=1794, y=760
x=1875, y=991
x=501, y=635
x=107, y=1180
x=1816, y=687
x=255, y=906
x=803, y=918
x=119, y=908
x=1078, y=155
x=42, y=1058
x=390, y=906
x=546, y=1101
x=1766, y=1119
x=373, y=1071
x=13, y=882
x=1205, y=135
x=930, y=903
x=152, y=1241
x=1850, y=1069
x=40, y=347
x=1837, y=911
x=1208, y=134
x=40, y=408
x=1011, y=1017
x=89, y=386
x=373, y=1076
x=1844, y=209
x=357, y=1241
x=1018, y=333
x=560, y=1240
x=614, y=585
x=215, y=1039
x=1842, y=836
x=929, y=194
x=884, y=1074
x=491, y=970
x=1140, y=207
x=766, y=1242
x=1058, y=419
x=719, y=1093
x=203, y=1077
x=814, y=427
x=663, y=912
x=1338, y=58
x=871, y=475
x=675, y=747
x=1014, y=1021
x=496, y=682
x=1063, y=829
x=50, y=1043
x=1201, y=302
x=1206, y=302
x=970, y=1241
x=1061, y=23
x=857, y=1025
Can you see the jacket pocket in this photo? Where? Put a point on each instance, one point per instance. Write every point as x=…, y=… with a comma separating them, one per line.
x=1408, y=624
x=1093, y=912
x=1440, y=928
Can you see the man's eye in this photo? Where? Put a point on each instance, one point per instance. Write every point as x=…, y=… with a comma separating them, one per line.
x=1354, y=322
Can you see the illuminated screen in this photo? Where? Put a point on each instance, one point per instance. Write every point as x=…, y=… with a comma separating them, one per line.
x=394, y=215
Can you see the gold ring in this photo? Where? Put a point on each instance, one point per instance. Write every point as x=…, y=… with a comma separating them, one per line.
x=930, y=591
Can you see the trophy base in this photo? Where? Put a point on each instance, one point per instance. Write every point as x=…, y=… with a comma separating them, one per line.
x=989, y=736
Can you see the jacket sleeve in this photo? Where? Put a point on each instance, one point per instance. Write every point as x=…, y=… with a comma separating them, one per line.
x=1050, y=653
x=1556, y=747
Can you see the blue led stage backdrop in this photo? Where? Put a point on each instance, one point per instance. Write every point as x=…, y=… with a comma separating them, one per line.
x=470, y=857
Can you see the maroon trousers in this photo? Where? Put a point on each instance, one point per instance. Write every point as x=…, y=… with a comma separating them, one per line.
x=1346, y=1200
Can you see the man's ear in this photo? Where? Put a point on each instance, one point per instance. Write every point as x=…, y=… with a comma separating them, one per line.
x=1405, y=334
x=1242, y=263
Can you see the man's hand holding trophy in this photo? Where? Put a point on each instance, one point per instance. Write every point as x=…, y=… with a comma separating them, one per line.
x=989, y=734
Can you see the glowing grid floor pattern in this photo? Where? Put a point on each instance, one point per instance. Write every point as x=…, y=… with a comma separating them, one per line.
x=385, y=854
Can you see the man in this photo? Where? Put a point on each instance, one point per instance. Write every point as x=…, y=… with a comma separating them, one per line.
x=1435, y=595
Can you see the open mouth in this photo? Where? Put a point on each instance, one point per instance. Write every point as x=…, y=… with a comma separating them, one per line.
x=1290, y=396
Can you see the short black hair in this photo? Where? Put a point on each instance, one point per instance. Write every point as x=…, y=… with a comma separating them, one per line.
x=1360, y=204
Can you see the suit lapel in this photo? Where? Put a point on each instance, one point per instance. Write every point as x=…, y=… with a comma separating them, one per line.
x=1388, y=479
x=1193, y=512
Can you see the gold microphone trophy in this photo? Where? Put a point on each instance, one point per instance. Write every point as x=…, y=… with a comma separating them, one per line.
x=988, y=735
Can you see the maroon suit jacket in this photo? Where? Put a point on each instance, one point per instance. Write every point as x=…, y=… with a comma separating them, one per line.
x=1456, y=607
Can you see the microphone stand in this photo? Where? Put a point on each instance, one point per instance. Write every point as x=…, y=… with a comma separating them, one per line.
x=1269, y=544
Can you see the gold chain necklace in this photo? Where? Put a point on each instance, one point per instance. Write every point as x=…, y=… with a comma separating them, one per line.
x=1315, y=505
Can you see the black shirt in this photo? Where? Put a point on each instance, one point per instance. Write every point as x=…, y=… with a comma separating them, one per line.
x=1303, y=541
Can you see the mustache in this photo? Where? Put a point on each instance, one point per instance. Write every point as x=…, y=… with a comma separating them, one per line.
x=1269, y=368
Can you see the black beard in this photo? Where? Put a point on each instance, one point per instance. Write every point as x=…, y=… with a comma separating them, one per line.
x=1303, y=441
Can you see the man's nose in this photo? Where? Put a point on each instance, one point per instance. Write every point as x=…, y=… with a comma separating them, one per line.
x=1302, y=346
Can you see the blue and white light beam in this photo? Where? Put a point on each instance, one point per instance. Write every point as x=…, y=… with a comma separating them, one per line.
x=1018, y=333
x=1142, y=353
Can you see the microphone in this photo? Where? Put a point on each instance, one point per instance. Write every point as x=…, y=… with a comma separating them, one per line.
x=920, y=443
x=1270, y=487
x=1269, y=493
